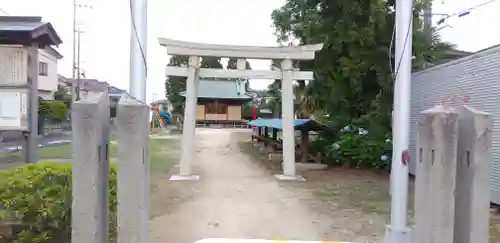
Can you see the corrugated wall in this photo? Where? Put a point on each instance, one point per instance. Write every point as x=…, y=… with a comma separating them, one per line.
x=476, y=76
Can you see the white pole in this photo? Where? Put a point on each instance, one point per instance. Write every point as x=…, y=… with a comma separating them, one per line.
x=137, y=89
x=138, y=49
x=398, y=230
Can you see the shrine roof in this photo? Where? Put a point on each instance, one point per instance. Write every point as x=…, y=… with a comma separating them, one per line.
x=221, y=89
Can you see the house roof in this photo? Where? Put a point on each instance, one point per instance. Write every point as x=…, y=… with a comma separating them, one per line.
x=27, y=30
x=114, y=90
x=457, y=53
x=91, y=84
x=220, y=89
x=54, y=52
x=157, y=102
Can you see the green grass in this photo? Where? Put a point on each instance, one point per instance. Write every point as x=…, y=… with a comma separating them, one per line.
x=53, y=152
x=161, y=158
x=163, y=154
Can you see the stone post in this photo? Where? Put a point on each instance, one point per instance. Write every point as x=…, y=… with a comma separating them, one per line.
x=436, y=172
x=91, y=123
x=133, y=171
x=472, y=193
x=188, y=133
x=30, y=137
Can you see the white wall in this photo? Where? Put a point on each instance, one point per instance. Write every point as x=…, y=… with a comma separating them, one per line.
x=48, y=83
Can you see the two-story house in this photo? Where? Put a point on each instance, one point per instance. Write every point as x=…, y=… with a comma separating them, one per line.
x=48, y=78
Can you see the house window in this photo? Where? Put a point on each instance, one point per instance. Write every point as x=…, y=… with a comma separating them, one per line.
x=43, y=69
x=216, y=108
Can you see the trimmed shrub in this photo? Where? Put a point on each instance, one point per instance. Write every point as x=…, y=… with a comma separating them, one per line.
x=53, y=110
x=39, y=196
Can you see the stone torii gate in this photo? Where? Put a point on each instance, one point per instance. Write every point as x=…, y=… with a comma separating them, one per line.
x=193, y=72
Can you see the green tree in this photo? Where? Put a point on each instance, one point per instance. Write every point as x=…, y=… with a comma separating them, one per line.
x=274, y=103
x=211, y=62
x=353, y=79
x=175, y=85
x=63, y=94
x=232, y=64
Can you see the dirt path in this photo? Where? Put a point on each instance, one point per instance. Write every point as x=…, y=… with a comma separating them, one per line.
x=236, y=199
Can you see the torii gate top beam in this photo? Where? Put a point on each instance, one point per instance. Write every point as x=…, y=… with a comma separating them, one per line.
x=175, y=47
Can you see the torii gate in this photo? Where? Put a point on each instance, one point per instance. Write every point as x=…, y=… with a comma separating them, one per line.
x=193, y=72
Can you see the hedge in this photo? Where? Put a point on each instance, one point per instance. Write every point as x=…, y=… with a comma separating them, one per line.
x=53, y=110
x=39, y=196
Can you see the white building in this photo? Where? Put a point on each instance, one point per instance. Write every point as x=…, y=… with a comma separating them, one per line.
x=47, y=72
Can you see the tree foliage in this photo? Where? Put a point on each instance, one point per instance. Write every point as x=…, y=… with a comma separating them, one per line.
x=53, y=110
x=353, y=79
x=174, y=85
x=232, y=64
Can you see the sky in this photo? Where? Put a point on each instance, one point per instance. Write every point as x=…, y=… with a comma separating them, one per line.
x=106, y=31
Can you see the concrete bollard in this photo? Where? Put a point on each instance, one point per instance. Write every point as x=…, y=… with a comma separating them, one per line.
x=472, y=193
x=91, y=125
x=275, y=157
x=265, y=150
x=261, y=145
x=436, y=174
x=133, y=171
x=255, y=144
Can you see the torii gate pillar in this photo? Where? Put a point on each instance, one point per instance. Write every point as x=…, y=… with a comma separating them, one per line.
x=188, y=146
x=193, y=72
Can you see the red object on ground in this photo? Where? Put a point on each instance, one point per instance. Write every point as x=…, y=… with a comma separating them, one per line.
x=405, y=157
x=254, y=114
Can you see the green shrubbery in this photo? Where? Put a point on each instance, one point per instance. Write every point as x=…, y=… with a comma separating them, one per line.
x=53, y=110
x=356, y=148
x=39, y=196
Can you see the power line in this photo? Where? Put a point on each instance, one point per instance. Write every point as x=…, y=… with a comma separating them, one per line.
x=465, y=12
x=137, y=37
x=3, y=11
x=396, y=71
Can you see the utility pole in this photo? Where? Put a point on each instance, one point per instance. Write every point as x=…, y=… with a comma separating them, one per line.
x=427, y=12
x=138, y=49
x=73, y=63
x=137, y=88
x=75, y=87
x=398, y=231
x=78, y=70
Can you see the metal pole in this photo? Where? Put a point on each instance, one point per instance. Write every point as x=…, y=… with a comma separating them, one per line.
x=138, y=49
x=74, y=89
x=78, y=80
x=398, y=231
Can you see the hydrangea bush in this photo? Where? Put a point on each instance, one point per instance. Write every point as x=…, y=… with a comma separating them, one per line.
x=356, y=147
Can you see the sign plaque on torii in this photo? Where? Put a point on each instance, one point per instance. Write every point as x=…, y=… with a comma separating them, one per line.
x=193, y=72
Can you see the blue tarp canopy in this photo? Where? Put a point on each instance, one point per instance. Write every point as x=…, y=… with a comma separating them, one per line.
x=298, y=124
